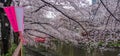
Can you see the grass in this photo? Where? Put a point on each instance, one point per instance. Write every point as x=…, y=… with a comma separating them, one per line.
x=110, y=44
x=11, y=50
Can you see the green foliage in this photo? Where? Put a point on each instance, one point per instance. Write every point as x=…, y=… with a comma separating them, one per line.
x=100, y=43
x=42, y=48
x=113, y=44
x=11, y=50
x=56, y=41
x=23, y=50
x=110, y=44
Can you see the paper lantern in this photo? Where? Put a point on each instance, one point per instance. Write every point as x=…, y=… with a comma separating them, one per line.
x=10, y=12
x=15, y=17
x=42, y=40
x=19, y=16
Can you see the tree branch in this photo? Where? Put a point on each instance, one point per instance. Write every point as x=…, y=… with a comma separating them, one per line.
x=40, y=32
x=41, y=24
x=110, y=11
x=39, y=8
x=96, y=11
x=110, y=15
x=66, y=15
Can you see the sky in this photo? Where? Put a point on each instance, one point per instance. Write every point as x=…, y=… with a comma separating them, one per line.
x=52, y=15
x=90, y=1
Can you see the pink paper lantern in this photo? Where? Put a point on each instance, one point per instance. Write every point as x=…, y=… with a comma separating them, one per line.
x=10, y=12
x=19, y=16
x=15, y=16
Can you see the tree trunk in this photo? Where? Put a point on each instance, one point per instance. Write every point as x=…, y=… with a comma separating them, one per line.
x=5, y=29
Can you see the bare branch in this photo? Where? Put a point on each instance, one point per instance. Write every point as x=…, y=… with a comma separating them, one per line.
x=39, y=31
x=110, y=12
x=39, y=8
x=66, y=15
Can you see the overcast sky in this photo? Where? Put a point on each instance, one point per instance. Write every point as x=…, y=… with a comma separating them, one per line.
x=90, y=1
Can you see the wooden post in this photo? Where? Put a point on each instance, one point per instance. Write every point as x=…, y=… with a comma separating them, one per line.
x=18, y=50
